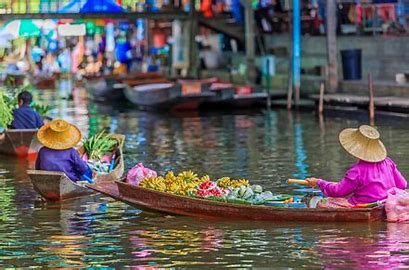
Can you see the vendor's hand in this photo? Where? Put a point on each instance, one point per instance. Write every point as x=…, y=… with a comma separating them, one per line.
x=312, y=182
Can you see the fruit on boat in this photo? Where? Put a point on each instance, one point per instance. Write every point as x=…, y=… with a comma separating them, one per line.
x=226, y=182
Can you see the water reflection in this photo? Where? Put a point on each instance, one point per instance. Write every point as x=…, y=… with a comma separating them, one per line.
x=366, y=249
x=265, y=147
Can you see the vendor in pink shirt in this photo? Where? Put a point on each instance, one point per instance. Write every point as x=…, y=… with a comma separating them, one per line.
x=369, y=179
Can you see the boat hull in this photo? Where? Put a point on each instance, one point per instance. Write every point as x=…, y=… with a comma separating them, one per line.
x=56, y=186
x=105, y=90
x=166, y=98
x=19, y=142
x=187, y=206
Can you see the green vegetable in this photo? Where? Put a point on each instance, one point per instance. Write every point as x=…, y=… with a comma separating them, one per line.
x=6, y=111
x=248, y=194
x=267, y=195
x=242, y=191
x=41, y=109
x=281, y=197
x=258, y=199
x=237, y=200
x=98, y=145
x=257, y=188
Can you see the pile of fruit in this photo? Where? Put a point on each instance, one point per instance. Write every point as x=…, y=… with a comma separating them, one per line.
x=185, y=183
x=188, y=183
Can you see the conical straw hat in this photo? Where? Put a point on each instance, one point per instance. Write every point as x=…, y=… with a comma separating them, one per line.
x=363, y=143
x=59, y=135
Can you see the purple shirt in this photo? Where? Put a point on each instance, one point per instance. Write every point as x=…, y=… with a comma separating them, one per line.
x=67, y=161
x=366, y=182
x=26, y=118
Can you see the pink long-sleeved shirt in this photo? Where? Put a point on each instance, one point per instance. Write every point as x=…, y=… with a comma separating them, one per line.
x=365, y=182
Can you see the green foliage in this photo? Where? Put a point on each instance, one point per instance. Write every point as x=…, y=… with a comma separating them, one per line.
x=43, y=110
x=10, y=98
x=97, y=145
x=6, y=110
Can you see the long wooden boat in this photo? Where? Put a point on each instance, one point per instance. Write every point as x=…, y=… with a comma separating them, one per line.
x=19, y=142
x=167, y=96
x=45, y=82
x=56, y=186
x=187, y=206
x=105, y=90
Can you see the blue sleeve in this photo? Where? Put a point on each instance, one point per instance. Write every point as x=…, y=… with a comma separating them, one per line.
x=40, y=122
x=87, y=175
x=80, y=165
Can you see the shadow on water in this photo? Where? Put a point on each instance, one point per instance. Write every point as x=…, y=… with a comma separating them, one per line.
x=265, y=146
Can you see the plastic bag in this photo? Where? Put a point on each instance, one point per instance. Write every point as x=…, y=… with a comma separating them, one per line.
x=138, y=173
x=397, y=205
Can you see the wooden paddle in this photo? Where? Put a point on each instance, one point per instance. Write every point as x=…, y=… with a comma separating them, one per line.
x=298, y=181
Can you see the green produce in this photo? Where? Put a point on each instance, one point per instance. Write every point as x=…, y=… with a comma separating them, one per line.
x=237, y=200
x=248, y=193
x=257, y=188
x=242, y=190
x=98, y=145
x=267, y=195
x=6, y=111
x=43, y=110
x=257, y=199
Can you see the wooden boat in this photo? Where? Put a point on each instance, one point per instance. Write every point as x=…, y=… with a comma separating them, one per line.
x=19, y=142
x=167, y=96
x=14, y=79
x=105, y=90
x=45, y=82
x=187, y=206
x=56, y=186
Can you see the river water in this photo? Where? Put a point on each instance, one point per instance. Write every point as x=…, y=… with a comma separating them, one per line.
x=265, y=147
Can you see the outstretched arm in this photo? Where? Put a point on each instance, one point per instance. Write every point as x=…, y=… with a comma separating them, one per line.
x=341, y=189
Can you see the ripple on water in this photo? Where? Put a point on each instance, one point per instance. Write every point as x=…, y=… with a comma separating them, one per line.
x=264, y=147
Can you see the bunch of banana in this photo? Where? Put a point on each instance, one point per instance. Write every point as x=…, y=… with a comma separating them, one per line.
x=226, y=182
x=185, y=183
x=156, y=183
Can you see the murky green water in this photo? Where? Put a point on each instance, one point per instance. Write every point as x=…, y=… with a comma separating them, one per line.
x=265, y=147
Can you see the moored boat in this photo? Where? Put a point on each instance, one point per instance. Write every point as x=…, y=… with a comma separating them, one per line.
x=45, y=82
x=167, y=96
x=19, y=142
x=105, y=89
x=56, y=186
x=203, y=208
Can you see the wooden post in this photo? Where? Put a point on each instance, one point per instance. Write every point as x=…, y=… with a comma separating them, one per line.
x=321, y=100
x=192, y=46
x=371, y=100
x=290, y=70
x=269, y=86
x=331, y=30
x=250, y=44
x=296, y=50
x=290, y=94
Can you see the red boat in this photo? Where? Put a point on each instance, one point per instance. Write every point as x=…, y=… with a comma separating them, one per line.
x=19, y=142
x=195, y=207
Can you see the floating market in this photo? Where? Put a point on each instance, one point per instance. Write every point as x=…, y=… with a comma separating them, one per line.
x=194, y=134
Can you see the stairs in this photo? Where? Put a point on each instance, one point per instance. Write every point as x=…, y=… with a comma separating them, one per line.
x=224, y=24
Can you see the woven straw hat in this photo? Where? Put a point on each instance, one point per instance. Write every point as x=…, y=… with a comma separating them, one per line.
x=59, y=135
x=364, y=143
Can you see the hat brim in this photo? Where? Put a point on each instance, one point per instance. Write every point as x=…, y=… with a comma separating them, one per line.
x=59, y=140
x=356, y=145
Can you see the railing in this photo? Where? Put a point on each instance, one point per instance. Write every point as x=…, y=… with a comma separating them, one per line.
x=43, y=9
